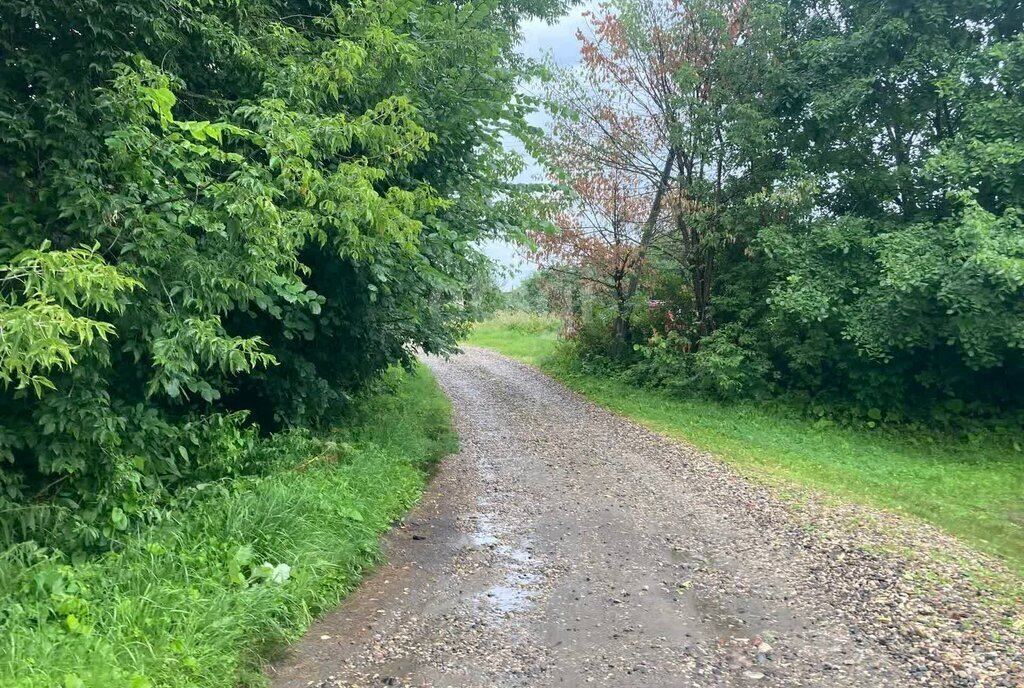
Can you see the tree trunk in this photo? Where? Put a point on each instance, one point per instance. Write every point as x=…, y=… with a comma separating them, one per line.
x=620, y=341
x=625, y=293
x=620, y=326
x=700, y=272
x=651, y=224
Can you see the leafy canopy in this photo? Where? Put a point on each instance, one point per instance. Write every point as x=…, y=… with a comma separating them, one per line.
x=216, y=214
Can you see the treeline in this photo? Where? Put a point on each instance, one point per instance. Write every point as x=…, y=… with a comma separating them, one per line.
x=226, y=217
x=823, y=199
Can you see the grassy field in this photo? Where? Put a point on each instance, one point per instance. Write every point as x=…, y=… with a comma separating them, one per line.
x=205, y=598
x=974, y=490
x=523, y=336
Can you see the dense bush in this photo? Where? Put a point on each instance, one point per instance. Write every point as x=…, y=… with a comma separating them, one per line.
x=203, y=597
x=216, y=214
x=906, y=265
x=844, y=219
x=726, y=366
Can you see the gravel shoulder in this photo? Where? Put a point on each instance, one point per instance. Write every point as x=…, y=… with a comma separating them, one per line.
x=564, y=545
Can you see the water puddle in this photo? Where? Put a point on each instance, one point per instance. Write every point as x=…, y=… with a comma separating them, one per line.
x=726, y=626
x=507, y=598
x=687, y=559
x=483, y=534
x=519, y=584
x=520, y=556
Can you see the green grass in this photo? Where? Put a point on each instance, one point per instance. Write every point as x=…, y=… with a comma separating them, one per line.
x=973, y=490
x=526, y=337
x=183, y=604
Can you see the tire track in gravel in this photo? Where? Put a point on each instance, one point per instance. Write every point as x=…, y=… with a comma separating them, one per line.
x=566, y=546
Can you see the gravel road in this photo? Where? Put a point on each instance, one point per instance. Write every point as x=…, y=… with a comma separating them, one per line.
x=566, y=546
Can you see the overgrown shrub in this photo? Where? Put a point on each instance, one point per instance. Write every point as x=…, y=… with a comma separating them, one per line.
x=217, y=215
x=729, y=365
x=241, y=566
x=664, y=362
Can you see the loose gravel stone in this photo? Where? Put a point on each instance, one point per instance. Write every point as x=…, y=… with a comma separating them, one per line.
x=564, y=545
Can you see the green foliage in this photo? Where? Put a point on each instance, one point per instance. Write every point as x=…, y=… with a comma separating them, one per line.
x=727, y=366
x=223, y=215
x=903, y=268
x=241, y=567
x=486, y=294
x=853, y=234
x=42, y=319
x=664, y=363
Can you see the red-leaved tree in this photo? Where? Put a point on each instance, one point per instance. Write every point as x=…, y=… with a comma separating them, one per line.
x=605, y=226
x=653, y=108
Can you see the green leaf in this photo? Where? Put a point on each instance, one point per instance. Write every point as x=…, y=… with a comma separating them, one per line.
x=350, y=513
x=118, y=519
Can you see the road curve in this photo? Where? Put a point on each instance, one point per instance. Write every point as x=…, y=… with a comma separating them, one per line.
x=566, y=546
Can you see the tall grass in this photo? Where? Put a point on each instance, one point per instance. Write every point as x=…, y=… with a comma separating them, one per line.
x=522, y=322
x=190, y=603
x=972, y=488
x=526, y=336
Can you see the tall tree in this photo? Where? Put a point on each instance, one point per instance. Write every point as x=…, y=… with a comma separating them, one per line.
x=901, y=270
x=610, y=146
x=670, y=96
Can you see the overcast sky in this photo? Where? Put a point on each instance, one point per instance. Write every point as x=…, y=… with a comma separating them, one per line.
x=539, y=40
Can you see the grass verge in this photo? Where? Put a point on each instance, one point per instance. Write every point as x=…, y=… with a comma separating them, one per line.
x=204, y=598
x=973, y=490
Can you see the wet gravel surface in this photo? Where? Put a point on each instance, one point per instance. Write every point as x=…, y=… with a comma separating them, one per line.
x=566, y=546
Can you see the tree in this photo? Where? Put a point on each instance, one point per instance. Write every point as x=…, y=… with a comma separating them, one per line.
x=900, y=270
x=223, y=213
x=610, y=148
x=602, y=237
x=669, y=97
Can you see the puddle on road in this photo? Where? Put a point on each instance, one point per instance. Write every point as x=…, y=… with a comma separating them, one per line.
x=688, y=559
x=483, y=534
x=519, y=584
x=520, y=556
x=728, y=627
x=507, y=598
x=518, y=588
x=725, y=625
